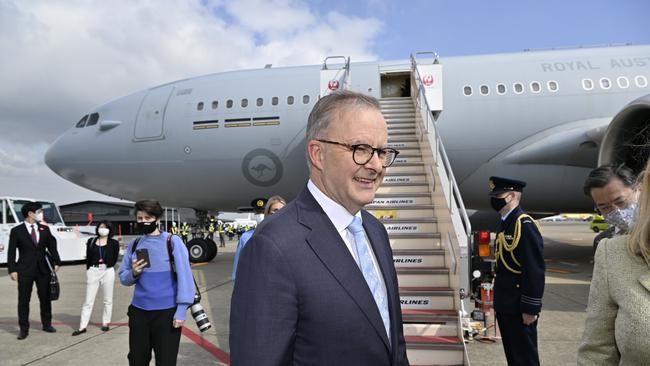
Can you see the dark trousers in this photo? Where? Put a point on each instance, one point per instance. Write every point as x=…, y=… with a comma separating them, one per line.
x=519, y=340
x=152, y=329
x=25, y=286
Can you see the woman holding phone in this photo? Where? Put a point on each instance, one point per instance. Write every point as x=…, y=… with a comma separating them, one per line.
x=101, y=254
x=161, y=298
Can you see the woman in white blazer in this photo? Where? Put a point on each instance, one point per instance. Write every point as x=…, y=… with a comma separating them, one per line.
x=617, y=330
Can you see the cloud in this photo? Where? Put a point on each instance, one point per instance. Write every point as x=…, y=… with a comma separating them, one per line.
x=62, y=58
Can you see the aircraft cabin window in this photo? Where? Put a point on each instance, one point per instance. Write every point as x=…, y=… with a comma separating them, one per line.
x=534, y=87
x=552, y=86
x=485, y=90
x=518, y=87
x=623, y=82
x=467, y=90
x=274, y=100
x=199, y=106
x=260, y=102
x=605, y=83
x=215, y=104
x=82, y=122
x=501, y=89
x=305, y=99
x=229, y=103
x=244, y=103
x=587, y=84
x=289, y=100
x=641, y=81
x=93, y=119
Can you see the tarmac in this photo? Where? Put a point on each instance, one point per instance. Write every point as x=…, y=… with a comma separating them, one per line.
x=568, y=253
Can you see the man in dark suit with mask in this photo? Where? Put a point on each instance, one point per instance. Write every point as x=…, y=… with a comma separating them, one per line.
x=519, y=281
x=31, y=239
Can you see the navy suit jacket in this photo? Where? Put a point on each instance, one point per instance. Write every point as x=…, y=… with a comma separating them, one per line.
x=301, y=299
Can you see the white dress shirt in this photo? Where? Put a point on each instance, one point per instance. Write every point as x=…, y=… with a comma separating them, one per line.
x=29, y=230
x=341, y=218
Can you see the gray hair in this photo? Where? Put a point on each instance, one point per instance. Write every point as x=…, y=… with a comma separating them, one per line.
x=323, y=112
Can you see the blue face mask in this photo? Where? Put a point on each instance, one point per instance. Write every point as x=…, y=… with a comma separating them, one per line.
x=622, y=218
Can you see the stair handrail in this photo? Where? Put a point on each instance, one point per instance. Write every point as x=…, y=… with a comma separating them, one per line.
x=440, y=149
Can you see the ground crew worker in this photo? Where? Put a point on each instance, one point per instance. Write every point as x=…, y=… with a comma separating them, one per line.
x=185, y=232
x=174, y=229
x=211, y=228
x=222, y=234
x=519, y=280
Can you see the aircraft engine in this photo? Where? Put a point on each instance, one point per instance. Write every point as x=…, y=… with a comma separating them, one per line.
x=627, y=139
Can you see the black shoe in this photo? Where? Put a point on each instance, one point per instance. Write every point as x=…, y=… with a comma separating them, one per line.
x=78, y=331
x=49, y=329
x=104, y=328
x=22, y=335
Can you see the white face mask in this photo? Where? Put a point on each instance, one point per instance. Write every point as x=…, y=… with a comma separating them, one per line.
x=622, y=218
x=102, y=231
x=39, y=217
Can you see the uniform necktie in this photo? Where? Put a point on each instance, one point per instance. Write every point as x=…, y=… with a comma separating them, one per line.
x=368, y=269
x=34, y=235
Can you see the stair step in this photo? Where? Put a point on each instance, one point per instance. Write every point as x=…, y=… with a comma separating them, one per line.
x=440, y=329
x=426, y=298
x=415, y=241
x=429, y=315
x=428, y=225
x=396, y=108
x=396, y=139
x=406, y=168
x=401, y=212
x=423, y=258
x=434, y=350
x=423, y=276
x=403, y=188
x=401, y=145
x=401, y=199
x=404, y=178
x=402, y=132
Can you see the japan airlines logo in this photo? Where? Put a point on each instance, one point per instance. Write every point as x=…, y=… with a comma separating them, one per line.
x=262, y=168
x=427, y=80
x=333, y=85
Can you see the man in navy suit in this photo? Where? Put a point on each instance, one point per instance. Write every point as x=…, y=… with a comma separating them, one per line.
x=519, y=281
x=316, y=284
x=31, y=239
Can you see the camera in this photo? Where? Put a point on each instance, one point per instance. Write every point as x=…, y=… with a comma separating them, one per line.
x=199, y=315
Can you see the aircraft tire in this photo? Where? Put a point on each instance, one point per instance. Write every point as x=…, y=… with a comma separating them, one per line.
x=198, y=250
x=595, y=229
x=212, y=250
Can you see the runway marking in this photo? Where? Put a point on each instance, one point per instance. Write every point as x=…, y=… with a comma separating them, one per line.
x=217, y=352
x=558, y=270
x=569, y=263
x=199, y=264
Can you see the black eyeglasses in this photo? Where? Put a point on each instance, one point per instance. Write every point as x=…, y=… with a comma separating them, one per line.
x=362, y=153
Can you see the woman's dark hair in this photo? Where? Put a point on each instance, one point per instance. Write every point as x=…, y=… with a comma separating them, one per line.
x=601, y=176
x=30, y=207
x=151, y=207
x=108, y=225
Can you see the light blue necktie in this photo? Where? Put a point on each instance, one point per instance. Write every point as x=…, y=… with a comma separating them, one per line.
x=368, y=269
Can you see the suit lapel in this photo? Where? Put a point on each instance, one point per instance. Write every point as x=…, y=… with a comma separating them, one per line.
x=326, y=242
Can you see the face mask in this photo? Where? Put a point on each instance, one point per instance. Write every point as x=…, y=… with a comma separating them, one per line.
x=39, y=217
x=147, y=227
x=622, y=218
x=498, y=203
x=102, y=231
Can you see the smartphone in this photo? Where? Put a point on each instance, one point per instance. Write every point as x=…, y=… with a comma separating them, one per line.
x=143, y=254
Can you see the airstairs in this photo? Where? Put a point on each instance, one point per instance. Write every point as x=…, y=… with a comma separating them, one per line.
x=420, y=205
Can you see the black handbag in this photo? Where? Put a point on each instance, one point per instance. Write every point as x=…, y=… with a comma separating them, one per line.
x=55, y=288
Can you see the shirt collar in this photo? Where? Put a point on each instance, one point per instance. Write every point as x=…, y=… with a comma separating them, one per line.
x=338, y=215
x=505, y=217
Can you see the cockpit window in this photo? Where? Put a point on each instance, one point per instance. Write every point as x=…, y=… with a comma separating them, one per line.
x=93, y=119
x=82, y=122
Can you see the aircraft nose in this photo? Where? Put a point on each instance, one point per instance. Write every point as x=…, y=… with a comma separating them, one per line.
x=54, y=156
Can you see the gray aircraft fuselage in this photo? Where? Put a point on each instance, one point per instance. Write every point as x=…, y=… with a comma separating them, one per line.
x=184, y=144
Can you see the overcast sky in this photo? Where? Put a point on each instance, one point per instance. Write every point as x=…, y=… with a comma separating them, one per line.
x=60, y=58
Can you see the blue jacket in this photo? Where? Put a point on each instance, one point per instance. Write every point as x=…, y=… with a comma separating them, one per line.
x=301, y=299
x=156, y=288
x=242, y=243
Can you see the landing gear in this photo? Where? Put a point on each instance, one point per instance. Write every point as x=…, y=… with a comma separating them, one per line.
x=198, y=250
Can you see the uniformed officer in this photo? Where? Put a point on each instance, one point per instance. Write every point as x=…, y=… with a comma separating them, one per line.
x=185, y=232
x=222, y=234
x=519, y=281
x=174, y=229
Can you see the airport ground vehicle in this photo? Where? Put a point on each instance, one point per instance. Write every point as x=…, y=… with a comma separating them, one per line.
x=71, y=244
x=598, y=224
